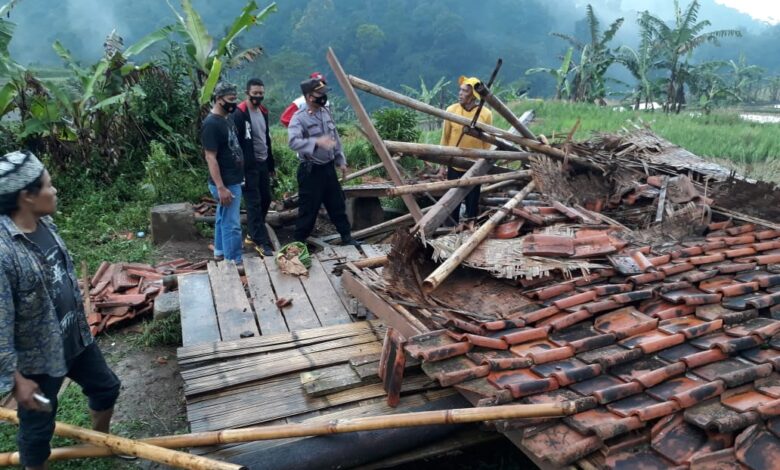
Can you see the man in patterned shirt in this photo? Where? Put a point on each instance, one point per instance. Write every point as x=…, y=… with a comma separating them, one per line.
x=44, y=336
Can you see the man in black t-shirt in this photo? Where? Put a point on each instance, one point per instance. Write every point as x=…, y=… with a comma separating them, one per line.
x=226, y=171
x=44, y=336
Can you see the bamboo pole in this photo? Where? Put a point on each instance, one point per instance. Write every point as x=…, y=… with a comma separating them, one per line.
x=337, y=426
x=441, y=273
x=533, y=145
x=371, y=132
x=445, y=151
x=458, y=183
x=503, y=110
x=111, y=444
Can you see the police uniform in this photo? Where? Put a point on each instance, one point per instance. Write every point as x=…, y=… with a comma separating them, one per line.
x=318, y=181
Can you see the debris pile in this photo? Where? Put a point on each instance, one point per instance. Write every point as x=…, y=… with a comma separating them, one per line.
x=123, y=291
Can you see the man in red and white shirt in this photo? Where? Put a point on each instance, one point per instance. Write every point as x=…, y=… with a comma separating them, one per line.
x=299, y=102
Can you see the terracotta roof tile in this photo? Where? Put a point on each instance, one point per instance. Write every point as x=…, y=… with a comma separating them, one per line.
x=676, y=439
x=744, y=399
x=757, y=448
x=628, y=406
x=713, y=416
x=645, y=459
x=666, y=390
x=699, y=393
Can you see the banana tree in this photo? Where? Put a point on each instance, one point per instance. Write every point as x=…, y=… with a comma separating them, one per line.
x=595, y=58
x=425, y=94
x=208, y=60
x=560, y=75
x=677, y=42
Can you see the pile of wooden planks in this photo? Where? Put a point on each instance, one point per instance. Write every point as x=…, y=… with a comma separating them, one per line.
x=123, y=291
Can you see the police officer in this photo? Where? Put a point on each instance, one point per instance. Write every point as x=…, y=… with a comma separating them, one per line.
x=314, y=137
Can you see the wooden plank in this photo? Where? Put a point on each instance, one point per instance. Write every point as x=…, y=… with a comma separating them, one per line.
x=240, y=371
x=234, y=313
x=329, y=259
x=327, y=304
x=278, y=398
x=263, y=344
x=198, y=315
x=371, y=133
x=268, y=315
x=333, y=379
x=380, y=307
x=373, y=251
x=300, y=315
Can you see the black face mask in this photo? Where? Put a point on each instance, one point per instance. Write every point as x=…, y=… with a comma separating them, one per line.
x=321, y=100
x=228, y=106
x=256, y=100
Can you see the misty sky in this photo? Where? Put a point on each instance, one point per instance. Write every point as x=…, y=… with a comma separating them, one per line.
x=82, y=25
x=759, y=9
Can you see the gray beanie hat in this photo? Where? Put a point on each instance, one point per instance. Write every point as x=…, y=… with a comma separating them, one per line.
x=224, y=89
x=17, y=170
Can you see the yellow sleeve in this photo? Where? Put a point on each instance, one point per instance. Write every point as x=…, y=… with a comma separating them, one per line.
x=446, y=130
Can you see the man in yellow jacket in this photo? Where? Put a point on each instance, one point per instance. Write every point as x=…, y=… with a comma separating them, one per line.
x=452, y=136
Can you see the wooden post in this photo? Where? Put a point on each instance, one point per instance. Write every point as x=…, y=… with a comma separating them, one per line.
x=445, y=151
x=441, y=273
x=458, y=183
x=398, y=98
x=122, y=445
x=371, y=132
x=504, y=111
x=337, y=426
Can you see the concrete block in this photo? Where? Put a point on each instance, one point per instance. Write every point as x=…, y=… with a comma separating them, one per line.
x=173, y=222
x=165, y=305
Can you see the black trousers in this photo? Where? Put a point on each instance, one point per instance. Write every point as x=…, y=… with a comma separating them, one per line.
x=318, y=185
x=257, y=197
x=472, y=198
x=97, y=381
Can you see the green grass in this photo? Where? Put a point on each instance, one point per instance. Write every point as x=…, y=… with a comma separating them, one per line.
x=165, y=332
x=721, y=134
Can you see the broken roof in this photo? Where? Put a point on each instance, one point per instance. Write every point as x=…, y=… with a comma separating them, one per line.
x=659, y=324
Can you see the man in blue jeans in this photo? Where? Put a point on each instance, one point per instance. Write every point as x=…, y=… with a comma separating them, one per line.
x=44, y=336
x=225, y=159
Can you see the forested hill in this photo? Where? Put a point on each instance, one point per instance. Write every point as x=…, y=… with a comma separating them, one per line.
x=392, y=42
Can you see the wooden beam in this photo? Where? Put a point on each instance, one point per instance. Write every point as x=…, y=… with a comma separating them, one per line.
x=463, y=121
x=371, y=132
x=503, y=110
x=463, y=181
x=381, y=308
x=445, y=151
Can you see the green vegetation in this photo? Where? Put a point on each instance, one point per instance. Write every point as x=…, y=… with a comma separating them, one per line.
x=164, y=332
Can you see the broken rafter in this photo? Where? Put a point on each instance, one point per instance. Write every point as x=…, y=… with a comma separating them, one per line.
x=441, y=273
x=457, y=183
x=533, y=145
x=441, y=150
x=503, y=110
x=371, y=132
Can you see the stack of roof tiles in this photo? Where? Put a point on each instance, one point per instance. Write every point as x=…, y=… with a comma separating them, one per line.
x=122, y=291
x=670, y=353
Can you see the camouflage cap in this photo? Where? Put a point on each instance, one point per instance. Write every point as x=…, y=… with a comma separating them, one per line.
x=224, y=89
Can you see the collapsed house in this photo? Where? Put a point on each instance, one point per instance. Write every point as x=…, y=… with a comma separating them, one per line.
x=624, y=277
